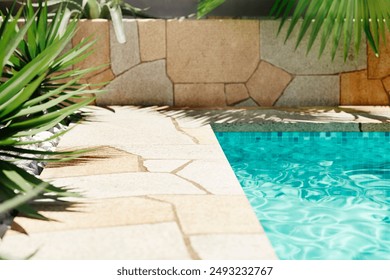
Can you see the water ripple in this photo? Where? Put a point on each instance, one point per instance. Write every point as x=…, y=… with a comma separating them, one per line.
x=319, y=199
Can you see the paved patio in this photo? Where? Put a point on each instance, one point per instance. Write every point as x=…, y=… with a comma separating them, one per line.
x=160, y=187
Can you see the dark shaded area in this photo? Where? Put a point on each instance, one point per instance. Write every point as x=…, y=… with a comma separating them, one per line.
x=287, y=117
x=180, y=8
x=185, y=8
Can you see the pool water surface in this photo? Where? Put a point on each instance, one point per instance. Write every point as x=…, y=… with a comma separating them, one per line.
x=318, y=195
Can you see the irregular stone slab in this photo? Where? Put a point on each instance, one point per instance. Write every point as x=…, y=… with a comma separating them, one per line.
x=97, y=81
x=233, y=247
x=94, y=30
x=220, y=177
x=128, y=184
x=100, y=213
x=267, y=84
x=145, y=84
x=199, y=95
x=284, y=55
x=204, y=214
x=104, y=160
x=152, y=39
x=185, y=152
x=379, y=67
x=247, y=103
x=235, y=93
x=203, y=135
x=125, y=56
x=386, y=83
x=141, y=242
x=223, y=51
x=311, y=91
x=129, y=129
x=357, y=89
x=164, y=165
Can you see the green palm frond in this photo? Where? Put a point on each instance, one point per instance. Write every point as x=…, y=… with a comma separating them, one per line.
x=206, y=6
x=40, y=35
x=332, y=22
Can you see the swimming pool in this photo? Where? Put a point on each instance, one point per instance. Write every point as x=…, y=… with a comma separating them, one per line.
x=318, y=195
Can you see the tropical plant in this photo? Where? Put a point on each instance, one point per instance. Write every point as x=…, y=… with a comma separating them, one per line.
x=207, y=6
x=94, y=9
x=346, y=19
x=24, y=113
x=39, y=36
x=329, y=20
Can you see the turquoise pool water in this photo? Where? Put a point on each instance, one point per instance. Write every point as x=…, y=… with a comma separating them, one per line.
x=317, y=195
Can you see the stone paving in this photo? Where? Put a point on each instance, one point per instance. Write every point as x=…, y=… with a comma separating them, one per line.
x=160, y=187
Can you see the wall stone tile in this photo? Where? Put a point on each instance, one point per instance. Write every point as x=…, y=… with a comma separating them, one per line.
x=97, y=29
x=386, y=83
x=199, y=95
x=379, y=67
x=357, y=89
x=124, y=56
x=275, y=51
x=212, y=51
x=247, y=103
x=152, y=39
x=145, y=84
x=311, y=91
x=267, y=84
x=235, y=93
x=103, y=77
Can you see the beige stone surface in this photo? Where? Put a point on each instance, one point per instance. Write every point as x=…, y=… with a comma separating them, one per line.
x=145, y=84
x=104, y=160
x=99, y=213
x=379, y=67
x=267, y=84
x=208, y=152
x=235, y=93
x=185, y=118
x=212, y=51
x=101, y=79
x=161, y=241
x=204, y=214
x=98, y=30
x=357, y=89
x=164, y=165
x=128, y=184
x=124, y=56
x=199, y=95
x=203, y=135
x=152, y=39
x=127, y=124
x=386, y=83
x=220, y=177
x=233, y=247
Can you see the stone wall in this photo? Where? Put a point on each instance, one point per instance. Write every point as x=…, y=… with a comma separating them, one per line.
x=218, y=63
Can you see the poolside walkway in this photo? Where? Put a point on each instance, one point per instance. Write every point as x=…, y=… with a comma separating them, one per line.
x=160, y=187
